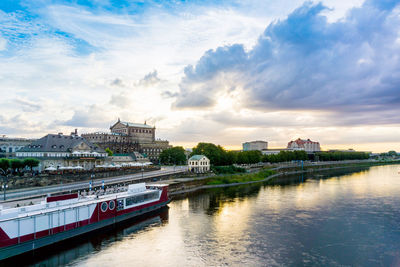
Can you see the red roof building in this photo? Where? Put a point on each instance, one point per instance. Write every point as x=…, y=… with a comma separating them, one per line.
x=306, y=145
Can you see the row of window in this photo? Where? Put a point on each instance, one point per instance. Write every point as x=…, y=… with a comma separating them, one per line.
x=30, y=154
x=202, y=163
x=140, y=198
x=140, y=131
x=150, y=150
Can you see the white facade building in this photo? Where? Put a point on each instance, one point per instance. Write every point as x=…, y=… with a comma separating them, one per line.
x=255, y=145
x=58, y=150
x=8, y=146
x=199, y=164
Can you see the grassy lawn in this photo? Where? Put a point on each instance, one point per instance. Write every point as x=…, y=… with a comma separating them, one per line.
x=240, y=178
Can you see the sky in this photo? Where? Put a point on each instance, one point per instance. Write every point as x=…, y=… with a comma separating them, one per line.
x=225, y=72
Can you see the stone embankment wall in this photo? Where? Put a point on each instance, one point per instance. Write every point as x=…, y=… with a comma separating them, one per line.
x=17, y=182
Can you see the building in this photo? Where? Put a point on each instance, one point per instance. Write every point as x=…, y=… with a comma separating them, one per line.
x=255, y=145
x=154, y=149
x=274, y=151
x=199, y=164
x=127, y=138
x=121, y=159
x=306, y=145
x=58, y=150
x=8, y=146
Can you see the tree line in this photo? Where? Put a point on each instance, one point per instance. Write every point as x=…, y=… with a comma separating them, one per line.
x=220, y=157
x=17, y=165
x=339, y=155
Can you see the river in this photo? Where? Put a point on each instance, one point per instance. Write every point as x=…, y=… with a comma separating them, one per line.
x=335, y=219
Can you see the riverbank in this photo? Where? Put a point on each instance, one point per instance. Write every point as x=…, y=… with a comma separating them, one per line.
x=179, y=187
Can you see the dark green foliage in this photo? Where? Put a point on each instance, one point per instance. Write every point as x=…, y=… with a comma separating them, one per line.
x=248, y=157
x=109, y=152
x=338, y=155
x=175, y=155
x=220, y=157
x=4, y=164
x=285, y=156
x=217, y=154
x=31, y=162
x=16, y=164
x=240, y=178
x=227, y=169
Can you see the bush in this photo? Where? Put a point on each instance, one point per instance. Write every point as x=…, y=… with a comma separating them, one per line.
x=227, y=169
x=4, y=164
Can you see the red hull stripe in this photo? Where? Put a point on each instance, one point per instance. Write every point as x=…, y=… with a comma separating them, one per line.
x=62, y=197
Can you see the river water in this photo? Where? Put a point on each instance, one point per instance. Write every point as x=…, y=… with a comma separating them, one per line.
x=335, y=219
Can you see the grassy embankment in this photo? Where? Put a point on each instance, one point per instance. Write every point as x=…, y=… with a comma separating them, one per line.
x=240, y=178
x=264, y=173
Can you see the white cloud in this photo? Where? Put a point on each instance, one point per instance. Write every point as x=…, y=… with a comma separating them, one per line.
x=3, y=43
x=85, y=67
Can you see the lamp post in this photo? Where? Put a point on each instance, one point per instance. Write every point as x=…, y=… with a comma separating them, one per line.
x=142, y=169
x=5, y=185
x=91, y=182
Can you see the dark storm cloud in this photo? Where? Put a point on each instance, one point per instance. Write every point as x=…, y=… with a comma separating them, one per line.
x=306, y=62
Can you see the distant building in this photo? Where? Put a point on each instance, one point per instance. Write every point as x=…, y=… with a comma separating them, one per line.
x=306, y=145
x=274, y=151
x=128, y=137
x=121, y=159
x=9, y=145
x=58, y=150
x=199, y=164
x=255, y=145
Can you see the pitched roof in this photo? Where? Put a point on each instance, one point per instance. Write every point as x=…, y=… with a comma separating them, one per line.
x=139, y=125
x=58, y=143
x=197, y=157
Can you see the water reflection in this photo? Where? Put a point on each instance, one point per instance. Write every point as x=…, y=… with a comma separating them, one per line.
x=337, y=218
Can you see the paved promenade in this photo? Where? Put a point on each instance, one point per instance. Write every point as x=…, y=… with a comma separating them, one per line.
x=42, y=191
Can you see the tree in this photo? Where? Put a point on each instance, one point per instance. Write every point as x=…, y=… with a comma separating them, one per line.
x=174, y=155
x=4, y=164
x=16, y=165
x=217, y=154
x=109, y=152
x=31, y=163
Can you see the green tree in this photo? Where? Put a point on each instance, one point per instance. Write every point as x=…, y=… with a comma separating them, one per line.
x=109, y=152
x=173, y=155
x=339, y=155
x=16, y=165
x=4, y=164
x=31, y=163
x=217, y=154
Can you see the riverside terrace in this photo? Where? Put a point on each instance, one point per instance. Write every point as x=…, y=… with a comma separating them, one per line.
x=67, y=175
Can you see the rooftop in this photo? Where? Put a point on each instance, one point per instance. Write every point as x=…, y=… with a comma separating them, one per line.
x=197, y=157
x=58, y=143
x=139, y=125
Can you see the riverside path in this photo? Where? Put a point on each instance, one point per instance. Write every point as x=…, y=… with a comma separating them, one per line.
x=74, y=186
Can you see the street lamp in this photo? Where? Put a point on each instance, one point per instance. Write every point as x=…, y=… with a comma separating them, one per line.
x=5, y=185
x=142, y=169
x=91, y=182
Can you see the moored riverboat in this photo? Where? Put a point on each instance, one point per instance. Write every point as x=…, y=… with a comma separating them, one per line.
x=58, y=218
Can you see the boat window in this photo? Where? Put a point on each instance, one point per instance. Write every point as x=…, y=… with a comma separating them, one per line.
x=104, y=206
x=111, y=205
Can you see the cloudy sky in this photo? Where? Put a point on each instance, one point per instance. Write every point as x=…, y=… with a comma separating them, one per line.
x=215, y=71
